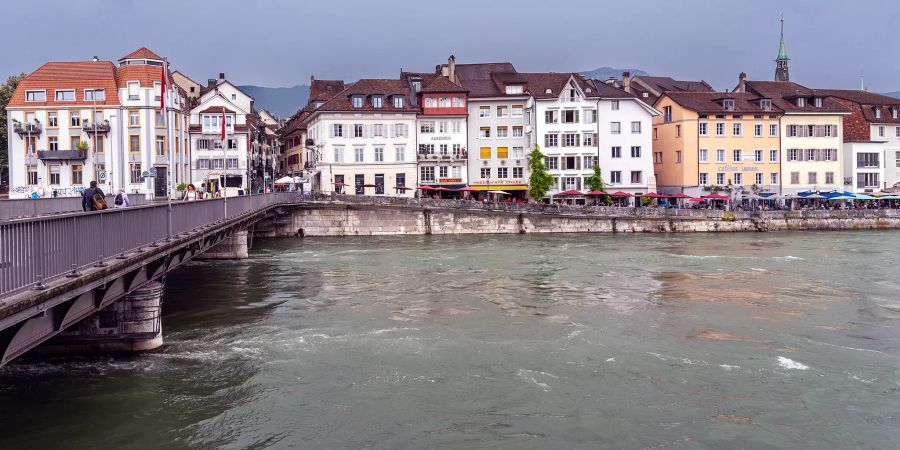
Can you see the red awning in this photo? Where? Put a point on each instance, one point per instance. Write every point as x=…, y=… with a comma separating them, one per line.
x=570, y=192
x=426, y=188
x=679, y=195
x=698, y=199
x=651, y=195
x=596, y=193
x=620, y=194
x=467, y=189
x=441, y=188
x=715, y=196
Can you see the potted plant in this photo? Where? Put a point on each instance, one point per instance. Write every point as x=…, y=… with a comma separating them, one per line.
x=81, y=146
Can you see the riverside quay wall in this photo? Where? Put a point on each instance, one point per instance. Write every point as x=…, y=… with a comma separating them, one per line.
x=336, y=219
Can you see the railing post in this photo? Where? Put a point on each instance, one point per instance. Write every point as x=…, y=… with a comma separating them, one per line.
x=122, y=230
x=41, y=264
x=101, y=232
x=74, y=273
x=169, y=225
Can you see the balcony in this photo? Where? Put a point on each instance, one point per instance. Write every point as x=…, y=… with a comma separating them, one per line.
x=310, y=142
x=92, y=128
x=442, y=157
x=62, y=155
x=33, y=129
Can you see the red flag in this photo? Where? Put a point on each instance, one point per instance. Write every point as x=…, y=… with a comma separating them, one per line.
x=162, y=90
x=223, y=123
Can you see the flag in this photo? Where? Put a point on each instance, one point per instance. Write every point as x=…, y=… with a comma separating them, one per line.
x=162, y=88
x=223, y=125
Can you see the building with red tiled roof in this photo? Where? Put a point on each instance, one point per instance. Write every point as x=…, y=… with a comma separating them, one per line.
x=111, y=109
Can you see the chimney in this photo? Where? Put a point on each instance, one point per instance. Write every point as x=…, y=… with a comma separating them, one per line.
x=95, y=58
x=210, y=83
x=451, y=65
x=221, y=75
x=311, y=79
x=742, y=83
x=626, y=81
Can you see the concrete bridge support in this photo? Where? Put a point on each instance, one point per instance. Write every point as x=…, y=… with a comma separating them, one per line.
x=132, y=324
x=232, y=247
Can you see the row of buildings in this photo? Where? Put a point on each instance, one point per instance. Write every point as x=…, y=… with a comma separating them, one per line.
x=148, y=129
x=137, y=125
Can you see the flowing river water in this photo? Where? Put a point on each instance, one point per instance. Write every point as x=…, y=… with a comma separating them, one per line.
x=776, y=340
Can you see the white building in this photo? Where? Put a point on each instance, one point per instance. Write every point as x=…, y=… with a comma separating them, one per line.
x=115, y=111
x=365, y=138
x=213, y=159
x=864, y=166
x=625, y=138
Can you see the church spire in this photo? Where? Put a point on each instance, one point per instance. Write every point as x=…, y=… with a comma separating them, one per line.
x=781, y=63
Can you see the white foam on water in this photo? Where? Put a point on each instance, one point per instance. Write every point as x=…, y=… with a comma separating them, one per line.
x=757, y=269
x=788, y=363
x=613, y=359
x=728, y=367
x=531, y=376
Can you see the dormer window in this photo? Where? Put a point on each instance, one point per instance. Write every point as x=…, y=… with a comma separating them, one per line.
x=817, y=102
x=398, y=101
x=35, y=96
x=877, y=112
x=430, y=102
x=548, y=91
x=801, y=102
x=95, y=94
x=728, y=104
x=894, y=112
x=377, y=101
x=65, y=96
x=416, y=86
x=765, y=104
x=514, y=90
x=357, y=101
x=318, y=104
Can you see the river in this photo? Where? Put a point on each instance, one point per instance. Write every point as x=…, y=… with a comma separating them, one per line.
x=769, y=340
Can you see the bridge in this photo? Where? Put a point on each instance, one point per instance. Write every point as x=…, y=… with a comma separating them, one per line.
x=58, y=270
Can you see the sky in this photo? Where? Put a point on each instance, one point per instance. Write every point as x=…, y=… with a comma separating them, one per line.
x=281, y=43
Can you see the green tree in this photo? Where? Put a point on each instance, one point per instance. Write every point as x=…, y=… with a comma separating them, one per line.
x=6, y=92
x=539, y=181
x=596, y=183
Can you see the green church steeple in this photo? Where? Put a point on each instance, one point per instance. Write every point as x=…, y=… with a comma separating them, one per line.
x=781, y=63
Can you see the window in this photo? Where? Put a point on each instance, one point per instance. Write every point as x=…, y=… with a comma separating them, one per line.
x=736, y=129
x=517, y=110
x=615, y=177
x=502, y=172
x=677, y=130
x=502, y=132
x=720, y=178
x=427, y=173
x=570, y=140
x=881, y=131
x=134, y=119
x=720, y=129
x=400, y=129
x=552, y=163
x=867, y=160
x=736, y=155
x=636, y=128
x=703, y=155
x=134, y=88
x=67, y=95
x=703, y=129
x=897, y=131
x=399, y=153
x=570, y=116
x=203, y=164
x=757, y=130
x=773, y=129
x=52, y=143
x=518, y=152
x=485, y=172
x=379, y=154
x=378, y=130
x=159, y=119
x=430, y=102
x=357, y=101
x=134, y=143
x=339, y=154
x=74, y=119
x=160, y=146
x=502, y=111
x=758, y=156
x=458, y=102
x=667, y=114
x=570, y=162
x=615, y=127
x=398, y=103
x=484, y=153
x=793, y=154
x=551, y=140
x=502, y=152
x=704, y=179
x=54, y=174
x=738, y=178
x=203, y=144
x=457, y=150
x=728, y=104
x=551, y=116
x=400, y=180
x=514, y=90
x=73, y=142
x=773, y=156
x=590, y=116
x=589, y=162
x=678, y=156
x=377, y=101
x=811, y=154
x=636, y=176
x=426, y=127
x=616, y=152
x=829, y=178
x=773, y=178
x=765, y=104
x=517, y=172
x=231, y=163
x=588, y=139
x=517, y=132
x=720, y=155
x=866, y=180
x=52, y=120
x=456, y=126
x=358, y=154
x=32, y=175
x=801, y=102
x=811, y=178
x=795, y=177
x=98, y=143
x=94, y=94
x=636, y=152
x=817, y=102
x=759, y=178
x=484, y=132
x=359, y=130
x=35, y=96
x=614, y=105
x=484, y=111
x=443, y=171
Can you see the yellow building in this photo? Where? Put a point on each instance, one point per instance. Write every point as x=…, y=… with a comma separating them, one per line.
x=706, y=141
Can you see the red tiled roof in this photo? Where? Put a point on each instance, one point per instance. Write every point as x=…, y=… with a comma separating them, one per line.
x=653, y=87
x=439, y=83
x=482, y=79
x=868, y=103
x=369, y=87
x=146, y=74
x=551, y=84
x=711, y=102
x=218, y=109
x=322, y=90
x=78, y=75
x=142, y=53
x=783, y=94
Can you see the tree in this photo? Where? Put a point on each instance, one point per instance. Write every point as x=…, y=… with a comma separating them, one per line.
x=596, y=183
x=6, y=92
x=539, y=181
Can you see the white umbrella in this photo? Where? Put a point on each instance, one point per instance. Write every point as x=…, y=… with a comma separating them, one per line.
x=284, y=180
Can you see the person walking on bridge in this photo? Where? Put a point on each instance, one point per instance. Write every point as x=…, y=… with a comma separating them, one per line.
x=121, y=200
x=93, y=198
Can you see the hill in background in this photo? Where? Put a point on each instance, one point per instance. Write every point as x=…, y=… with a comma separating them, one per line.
x=281, y=101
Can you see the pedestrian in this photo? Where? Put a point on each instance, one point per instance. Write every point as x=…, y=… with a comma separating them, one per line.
x=121, y=200
x=191, y=193
x=93, y=198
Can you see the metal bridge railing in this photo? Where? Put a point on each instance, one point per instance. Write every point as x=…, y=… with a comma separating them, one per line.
x=35, y=250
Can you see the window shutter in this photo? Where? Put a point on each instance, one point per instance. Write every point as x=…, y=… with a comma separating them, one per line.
x=331, y=131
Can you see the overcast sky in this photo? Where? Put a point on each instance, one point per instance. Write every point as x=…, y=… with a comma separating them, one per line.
x=282, y=42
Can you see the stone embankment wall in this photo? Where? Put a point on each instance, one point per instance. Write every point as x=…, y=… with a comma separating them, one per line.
x=371, y=220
